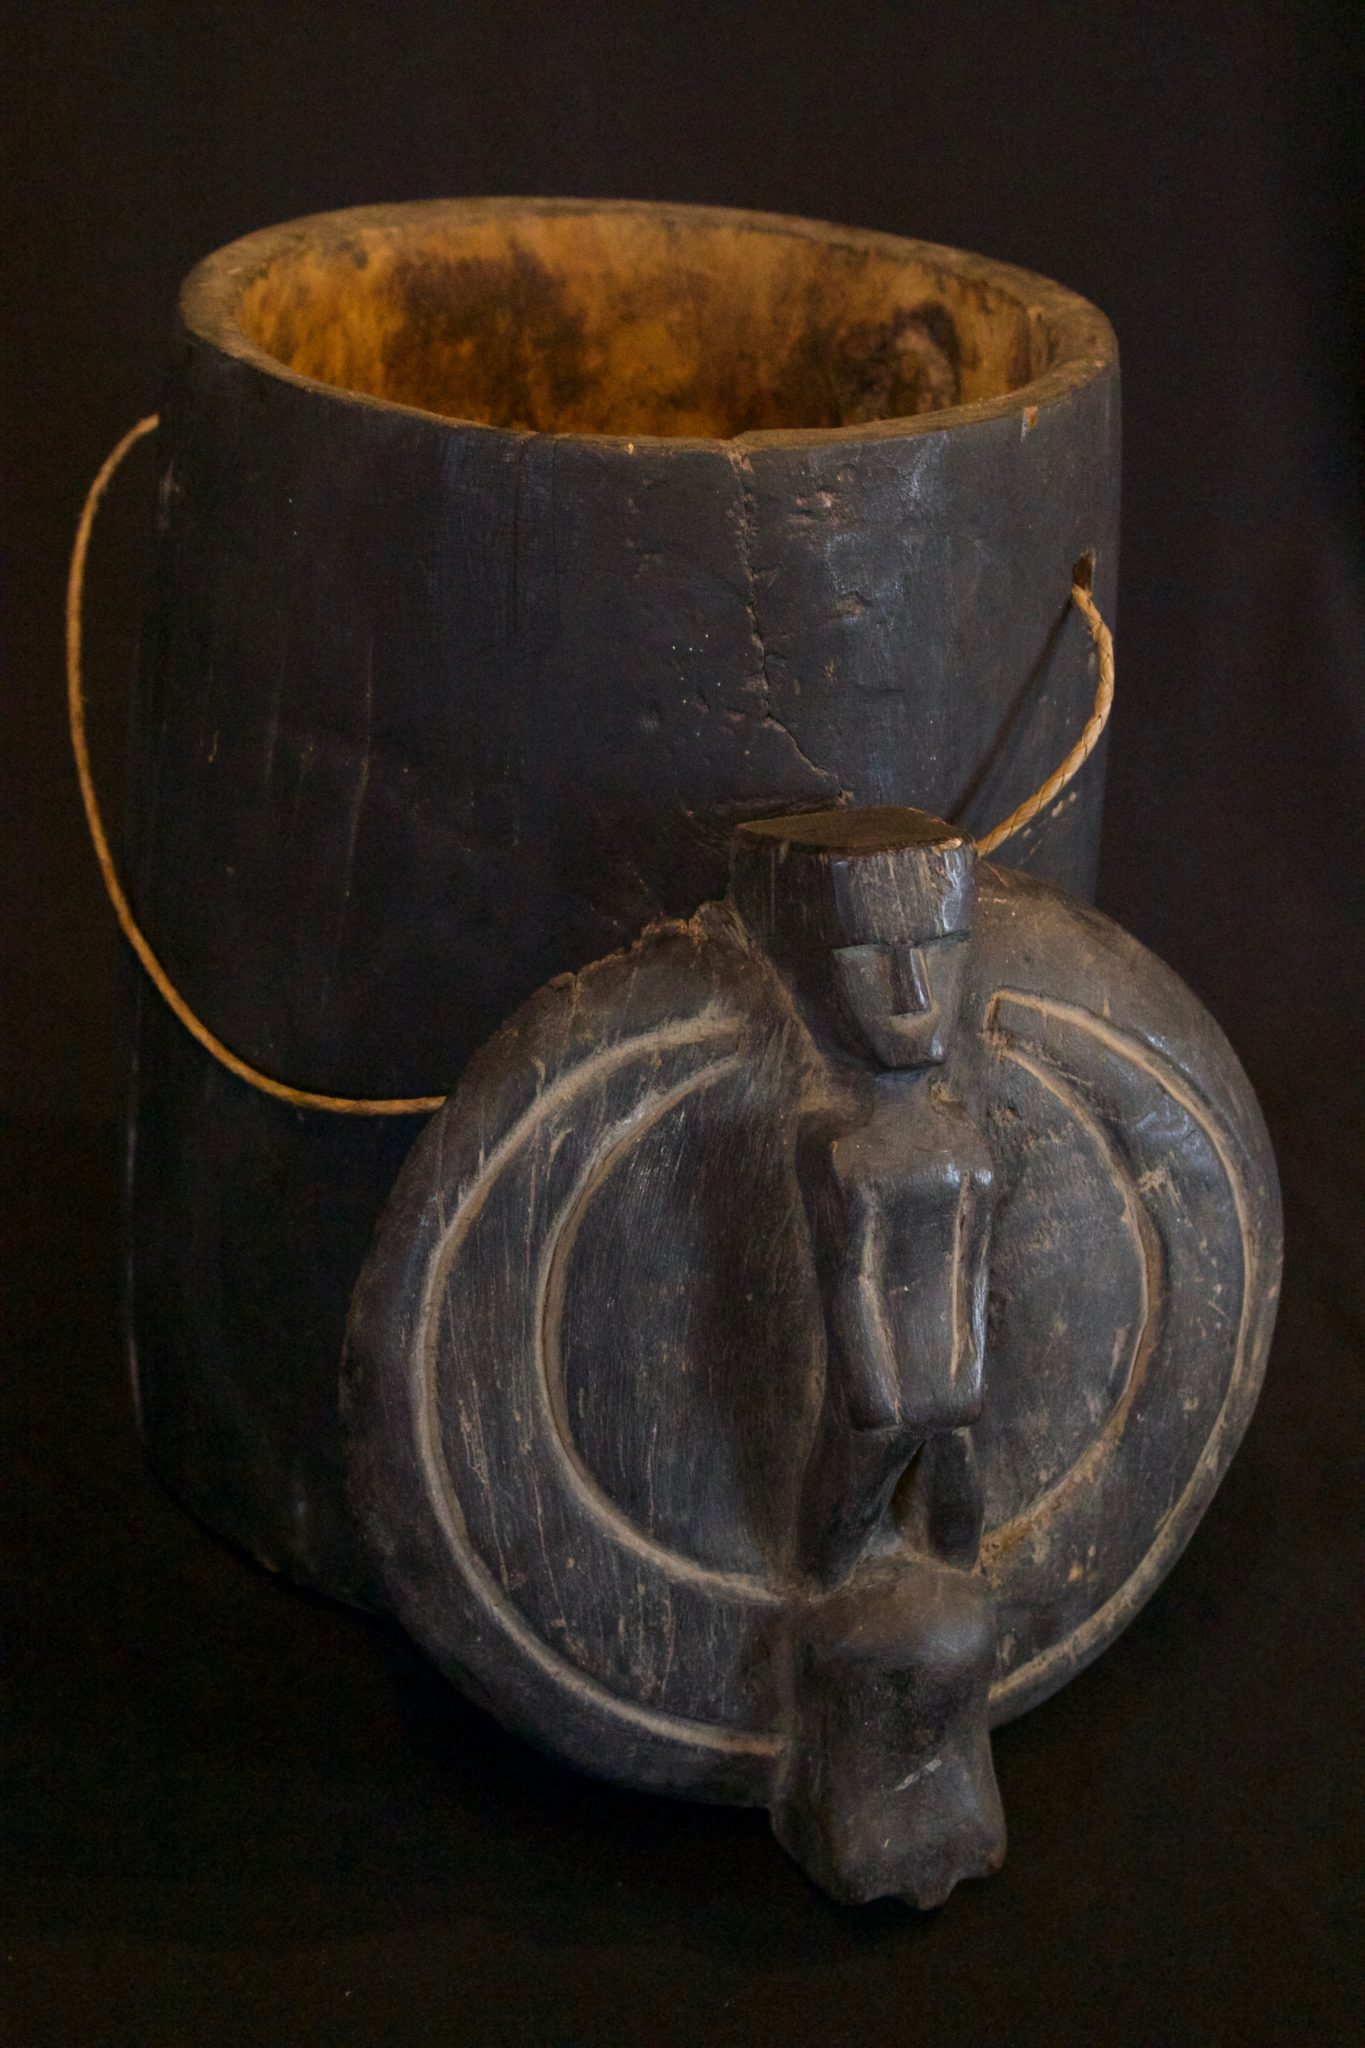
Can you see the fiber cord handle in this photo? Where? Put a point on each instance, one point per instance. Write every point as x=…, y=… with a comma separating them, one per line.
x=423, y=1105
x=1085, y=746
x=301, y=1098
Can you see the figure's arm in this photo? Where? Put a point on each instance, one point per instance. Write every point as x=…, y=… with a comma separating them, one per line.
x=855, y=1316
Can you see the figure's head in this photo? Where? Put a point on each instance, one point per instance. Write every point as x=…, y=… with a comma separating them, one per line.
x=867, y=913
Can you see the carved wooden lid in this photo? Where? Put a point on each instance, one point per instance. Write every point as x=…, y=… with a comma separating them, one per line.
x=599, y=1344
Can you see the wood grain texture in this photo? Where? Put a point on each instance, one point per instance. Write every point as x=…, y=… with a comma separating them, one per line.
x=443, y=694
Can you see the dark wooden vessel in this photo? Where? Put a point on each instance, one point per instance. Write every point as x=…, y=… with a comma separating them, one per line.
x=511, y=552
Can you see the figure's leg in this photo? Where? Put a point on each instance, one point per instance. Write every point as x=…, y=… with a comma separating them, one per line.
x=938, y=1508
x=889, y=1786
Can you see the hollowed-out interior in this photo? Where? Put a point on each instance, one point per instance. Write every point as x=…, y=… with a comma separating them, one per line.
x=638, y=322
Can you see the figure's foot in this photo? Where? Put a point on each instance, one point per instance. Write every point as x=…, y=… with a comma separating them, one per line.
x=889, y=1786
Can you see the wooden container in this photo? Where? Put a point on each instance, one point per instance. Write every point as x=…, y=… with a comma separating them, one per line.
x=511, y=552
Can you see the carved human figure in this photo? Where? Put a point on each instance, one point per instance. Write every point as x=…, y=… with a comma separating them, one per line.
x=663, y=1376
x=867, y=916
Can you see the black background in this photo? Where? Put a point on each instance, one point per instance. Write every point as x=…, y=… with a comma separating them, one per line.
x=235, y=1814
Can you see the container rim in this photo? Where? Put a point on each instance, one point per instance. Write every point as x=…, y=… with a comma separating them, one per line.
x=1081, y=340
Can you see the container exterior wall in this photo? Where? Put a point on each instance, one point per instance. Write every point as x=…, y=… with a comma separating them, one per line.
x=429, y=713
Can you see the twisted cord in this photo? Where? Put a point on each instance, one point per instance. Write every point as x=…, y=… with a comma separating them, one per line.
x=1090, y=736
x=302, y=1098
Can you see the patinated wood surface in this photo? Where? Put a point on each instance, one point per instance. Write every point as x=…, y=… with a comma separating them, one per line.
x=510, y=552
x=806, y=1338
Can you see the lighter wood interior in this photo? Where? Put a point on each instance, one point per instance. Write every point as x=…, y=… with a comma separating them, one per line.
x=638, y=321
